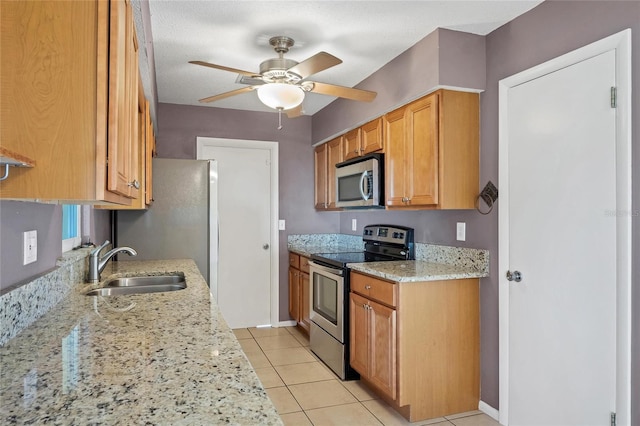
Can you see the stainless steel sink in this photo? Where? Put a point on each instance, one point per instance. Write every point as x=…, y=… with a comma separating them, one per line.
x=138, y=285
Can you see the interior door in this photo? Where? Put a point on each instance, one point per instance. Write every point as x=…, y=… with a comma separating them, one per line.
x=561, y=184
x=244, y=236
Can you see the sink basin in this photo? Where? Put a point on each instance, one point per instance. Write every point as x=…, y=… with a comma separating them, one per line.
x=139, y=285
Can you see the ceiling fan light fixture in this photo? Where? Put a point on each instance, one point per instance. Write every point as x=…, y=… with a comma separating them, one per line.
x=280, y=95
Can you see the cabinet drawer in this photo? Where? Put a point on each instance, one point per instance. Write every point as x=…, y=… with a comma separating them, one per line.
x=304, y=264
x=294, y=260
x=376, y=289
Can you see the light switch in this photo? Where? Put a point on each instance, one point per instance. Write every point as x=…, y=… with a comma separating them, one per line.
x=461, y=231
x=281, y=225
x=30, y=247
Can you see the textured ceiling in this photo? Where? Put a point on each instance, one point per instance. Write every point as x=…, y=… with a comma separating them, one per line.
x=364, y=34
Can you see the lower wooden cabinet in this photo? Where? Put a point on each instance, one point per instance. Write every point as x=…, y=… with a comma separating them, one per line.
x=299, y=290
x=417, y=344
x=373, y=351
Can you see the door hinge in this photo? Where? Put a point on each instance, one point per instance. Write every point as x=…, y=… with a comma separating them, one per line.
x=614, y=97
x=613, y=419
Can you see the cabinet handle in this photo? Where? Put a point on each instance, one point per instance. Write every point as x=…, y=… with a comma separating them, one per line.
x=404, y=199
x=367, y=287
x=134, y=184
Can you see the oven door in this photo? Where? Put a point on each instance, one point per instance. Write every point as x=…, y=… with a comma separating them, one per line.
x=327, y=299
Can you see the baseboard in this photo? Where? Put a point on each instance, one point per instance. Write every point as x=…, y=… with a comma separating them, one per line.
x=489, y=411
x=290, y=323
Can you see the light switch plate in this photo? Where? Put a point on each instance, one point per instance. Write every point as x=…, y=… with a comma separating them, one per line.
x=30, y=247
x=461, y=231
x=354, y=224
x=281, y=225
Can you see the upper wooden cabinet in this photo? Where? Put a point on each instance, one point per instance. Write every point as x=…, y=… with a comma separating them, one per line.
x=432, y=152
x=70, y=100
x=326, y=157
x=364, y=140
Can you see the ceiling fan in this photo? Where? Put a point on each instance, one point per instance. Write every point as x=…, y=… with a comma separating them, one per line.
x=281, y=83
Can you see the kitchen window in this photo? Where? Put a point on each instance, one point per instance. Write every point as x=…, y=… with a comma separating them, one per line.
x=71, y=220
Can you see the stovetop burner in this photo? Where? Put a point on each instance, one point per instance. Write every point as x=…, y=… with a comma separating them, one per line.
x=381, y=243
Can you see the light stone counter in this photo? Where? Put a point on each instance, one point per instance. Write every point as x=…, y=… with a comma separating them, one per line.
x=416, y=271
x=164, y=358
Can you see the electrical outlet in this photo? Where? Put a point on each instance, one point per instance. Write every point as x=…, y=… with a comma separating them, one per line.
x=461, y=231
x=281, y=225
x=354, y=224
x=30, y=247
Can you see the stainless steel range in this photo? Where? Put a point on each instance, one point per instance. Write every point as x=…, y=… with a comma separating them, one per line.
x=329, y=276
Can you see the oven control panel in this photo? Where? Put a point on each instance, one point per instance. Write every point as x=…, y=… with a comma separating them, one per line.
x=388, y=234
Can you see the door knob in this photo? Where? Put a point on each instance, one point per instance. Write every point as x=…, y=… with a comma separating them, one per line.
x=265, y=246
x=514, y=276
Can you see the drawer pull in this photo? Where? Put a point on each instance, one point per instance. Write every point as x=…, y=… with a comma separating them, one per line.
x=367, y=287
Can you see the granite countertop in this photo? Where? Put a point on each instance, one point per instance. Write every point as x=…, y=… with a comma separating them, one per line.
x=163, y=358
x=452, y=262
x=409, y=271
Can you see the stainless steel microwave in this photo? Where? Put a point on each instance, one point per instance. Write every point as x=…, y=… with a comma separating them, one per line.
x=360, y=182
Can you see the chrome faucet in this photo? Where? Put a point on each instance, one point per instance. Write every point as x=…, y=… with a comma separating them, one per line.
x=97, y=263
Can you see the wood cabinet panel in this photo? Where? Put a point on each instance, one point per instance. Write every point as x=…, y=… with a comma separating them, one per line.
x=352, y=144
x=424, y=356
x=58, y=112
x=359, y=335
x=432, y=152
x=305, y=301
x=299, y=290
x=382, y=360
x=371, y=137
x=320, y=177
x=294, y=293
x=334, y=156
x=376, y=289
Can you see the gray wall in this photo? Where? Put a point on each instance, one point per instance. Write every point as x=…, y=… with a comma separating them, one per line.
x=179, y=125
x=547, y=31
x=443, y=57
x=17, y=217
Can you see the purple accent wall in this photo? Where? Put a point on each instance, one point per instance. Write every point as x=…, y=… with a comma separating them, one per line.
x=17, y=217
x=444, y=57
x=180, y=125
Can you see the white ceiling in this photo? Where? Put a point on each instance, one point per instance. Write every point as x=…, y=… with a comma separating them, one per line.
x=364, y=34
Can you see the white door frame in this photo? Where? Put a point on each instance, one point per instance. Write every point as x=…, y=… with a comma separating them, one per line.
x=621, y=42
x=203, y=142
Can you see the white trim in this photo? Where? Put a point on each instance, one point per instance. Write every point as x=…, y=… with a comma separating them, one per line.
x=621, y=42
x=275, y=237
x=288, y=323
x=489, y=410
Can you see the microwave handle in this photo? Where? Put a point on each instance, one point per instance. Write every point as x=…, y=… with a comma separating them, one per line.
x=363, y=178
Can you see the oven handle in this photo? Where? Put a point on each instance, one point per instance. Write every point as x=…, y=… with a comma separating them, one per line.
x=326, y=268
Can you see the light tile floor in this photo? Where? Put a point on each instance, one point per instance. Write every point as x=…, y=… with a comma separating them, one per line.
x=306, y=392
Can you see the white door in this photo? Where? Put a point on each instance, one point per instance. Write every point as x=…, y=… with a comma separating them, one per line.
x=559, y=230
x=244, y=281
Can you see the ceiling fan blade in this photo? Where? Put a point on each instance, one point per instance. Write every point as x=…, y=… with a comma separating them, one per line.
x=227, y=94
x=343, y=92
x=220, y=67
x=316, y=63
x=294, y=112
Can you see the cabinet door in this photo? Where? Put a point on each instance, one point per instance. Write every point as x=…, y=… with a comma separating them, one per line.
x=358, y=334
x=351, y=144
x=382, y=359
x=123, y=100
x=371, y=137
x=334, y=156
x=294, y=294
x=422, y=134
x=305, y=301
x=397, y=170
x=320, y=167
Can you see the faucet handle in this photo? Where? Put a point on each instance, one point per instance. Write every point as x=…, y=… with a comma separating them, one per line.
x=96, y=251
